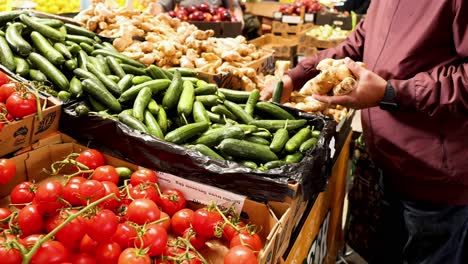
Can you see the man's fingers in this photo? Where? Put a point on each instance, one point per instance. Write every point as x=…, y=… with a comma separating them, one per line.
x=355, y=68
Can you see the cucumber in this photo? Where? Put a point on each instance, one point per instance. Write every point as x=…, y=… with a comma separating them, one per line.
x=201, y=83
x=125, y=83
x=9, y=16
x=168, y=74
x=77, y=30
x=234, y=95
x=316, y=133
x=103, y=65
x=274, y=125
x=108, y=83
x=82, y=59
x=73, y=48
x=152, y=125
x=278, y=92
x=273, y=110
x=95, y=105
x=22, y=66
x=294, y=158
x=110, y=47
x=162, y=120
x=215, y=136
x=101, y=95
x=172, y=95
x=248, y=129
x=199, y=113
x=205, y=150
x=53, y=74
x=258, y=140
x=141, y=102
x=263, y=134
x=184, y=72
x=140, y=79
x=76, y=90
x=36, y=75
x=308, y=144
x=46, y=49
x=60, y=47
x=64, y=96
x=84, y=74
x=215, y=118
x=80, y=39
x=153, y=107
x=207, y=100
x=155, y=85
x=16, y=41
x=185, y=105
x=114, y=78
x=82, y=110
x=115, y=67
x=190, y=79
x=55, y=23
x=71, y=65
x=239, y=112
x=279, y=140
x=249, y=164
x=223, y=111
x=274, y=164
x=252, y=101
x=206, y=89
x=124, y=172
x=247, y=150
x=155, y=72
x=6, y=55
x=132, y=122
x=46, y=31
x=295, y=141
x=132, y=69
x=124, y=59
x=186, y=132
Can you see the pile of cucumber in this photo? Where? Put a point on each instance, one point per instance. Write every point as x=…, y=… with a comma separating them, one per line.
x=221, y=123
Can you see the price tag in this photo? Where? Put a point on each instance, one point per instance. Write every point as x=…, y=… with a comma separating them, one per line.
x=309, y=18
x=277, y=16
x=291, y=19
x=338, y=22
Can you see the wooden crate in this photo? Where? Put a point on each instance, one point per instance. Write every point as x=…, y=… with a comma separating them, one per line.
x=287, y=30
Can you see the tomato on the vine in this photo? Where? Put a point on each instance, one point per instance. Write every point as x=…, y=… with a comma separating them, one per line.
x=252, y=241
x=240, y=255
x=125, y=235
x=111, y=203
x=91, y=191
x=134, y=256
x=171, y=201
x=106, y=173
x=71, y=191
x=30, y=220
x=88, y=245
x=103, y=225
x=72, y=233
x=196, y=240
x=21, y=104
x=51, y=252
x=23, y=194
x=229, y=231
x=155, y=238
x=165, y=224
x=83, y=258
x=48, y=196
x=4, y=214
x=143, y=175
x=31, y=240
x=205, y=222
x=4, y=78
x=143, y=211
x=144, y=190
x=91, y=158
x=7, y=170
x=182, y=220
x=108, y=253
x=8, y=89
x=9, y=254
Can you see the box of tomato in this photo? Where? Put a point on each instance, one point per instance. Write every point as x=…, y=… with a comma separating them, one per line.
x=33, y=166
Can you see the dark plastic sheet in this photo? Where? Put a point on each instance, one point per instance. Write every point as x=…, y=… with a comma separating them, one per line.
x=143, y=149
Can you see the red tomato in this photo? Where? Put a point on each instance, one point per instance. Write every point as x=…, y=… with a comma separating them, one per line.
x=143, y=211
x=91, y=158
x=173, y=251
x=240, y=255
x=88, y=245
x=4, y=214
x=4, y=78
x=244, y=238
x=83, y=258
x=48, y=195
x=21, y=104
x=8, y=89
x=30, y=240
x=125, y=235
x=2, y=124
x=72, y=233
x=144, y=190
x=91, y=191
x=71, y=192
x=22, y=194
x=111, y=203
x=30, y=220
x=7, y=170
x=8, y=254
x=133, y=256
x=103, y=225
x=165, y=224
x=154, y=238
x=229, y=232
x=143, y=175
x=182, y=220
x=51, y=252
x=171, y=201
x=108, y=253
x=106, y=173
x=196, y=240
x=190, y=258
x=205, y=222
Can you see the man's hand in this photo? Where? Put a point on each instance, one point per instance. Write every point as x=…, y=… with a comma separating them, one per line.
x=368, y=93
x=267, y=92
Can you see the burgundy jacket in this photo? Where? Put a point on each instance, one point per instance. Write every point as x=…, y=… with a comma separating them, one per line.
x=421, y=48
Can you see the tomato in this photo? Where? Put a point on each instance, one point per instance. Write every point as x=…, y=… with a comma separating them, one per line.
x=30, y=240
x=30, y=220
x=240, y=255
x=91, y=158
x=182, y=220
x=143, y=175
x=155, y=237
x=171, y=201
x=7, y=170
x=189, y=258
x=206, y=222
x=7, y=253
x=106, y=173
x=111, y=203
x=91, y=191
x=196, y=240
x=133, y=256
x=8, y=89
x=125, y=235
x=144, y=190
x=51, y=252
x=143, y=211
x=252, y=241
x=4, y=78
x=71, y=192
x=83, y=258
x=173, y=251
x=48, y=196
x=4, y=214
x=108, y=253
x=72, y=233
x=22, y=194
x=21, y=104
x=165, y=224
x=229, y=232
x=103, y=225
x=88, y=245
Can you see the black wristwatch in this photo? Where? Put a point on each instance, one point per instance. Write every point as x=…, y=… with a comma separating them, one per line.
x=388, y=102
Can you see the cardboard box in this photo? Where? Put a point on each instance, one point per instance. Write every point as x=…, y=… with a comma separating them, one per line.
x=341, y=20
x=221, y=29
x=307, y=41
x=30, y=166
x=287, y=30
x=307, y=50
x=16, y=135
x=283, y=47
x=50, y=120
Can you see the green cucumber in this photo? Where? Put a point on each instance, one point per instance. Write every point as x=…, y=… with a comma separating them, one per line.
x=199, y=113
x=46, y=31
x=215, y=118
x=55, y=23
x=124, y=59
x=132, y=122
x=243, y=149
x=82, y=59
x=46, y=49
x=273, y=110
x=173, y=92
x=294, y=158
x=215, y=136
x=22, y=66
x=252, y=101
x=278, y=92
x=185, y=105
x=295, y=141
x=82, y=110
x=184, y=72
x=163, y=122
x=186, y=132
x=279, y=140
x=108, y=83
x=153, y=107
x=132, y=69
x=60, y=47
x=115, y=67
x=36, y=75
x=9, y=16
x=125, y=83
x=274, y=125
x=76, y=90
x=16, y=41
x=263, y=134
x=115, y=79
x=206, y=89
x=308, y=144
x=6, y=55
x=95, y=105
x=71, y=65
x=274, y=164
x=249, y=164
x=81, y=39
x=239, y=112
x=141, y=102
x=53, y=74
x=102, y=95
x=73, y=48
x=258, y=140
x=152, y=125
x=77, y=30
x=103, y=65
x=155, y=85
x=222, y=110
x=205, y=150
x=316, y=133
x=155, y=72
x=235, y=95
x=207, y=100
x=141, y=79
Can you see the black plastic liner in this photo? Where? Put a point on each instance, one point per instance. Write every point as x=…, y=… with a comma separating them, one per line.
x=145, y=150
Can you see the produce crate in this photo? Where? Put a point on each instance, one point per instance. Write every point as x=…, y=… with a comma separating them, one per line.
x=270, y=217
x=285, y=48
x=341, y=20
x=287, y=30
x=304, y=50
x=221, y=29
x=307, y=41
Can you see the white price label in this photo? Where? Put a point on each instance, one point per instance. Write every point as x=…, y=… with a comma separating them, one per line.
x=202, y=193
x=291, y=19
x=332, y=147
x=337, y=23
x=277, y=16
x=309, y=18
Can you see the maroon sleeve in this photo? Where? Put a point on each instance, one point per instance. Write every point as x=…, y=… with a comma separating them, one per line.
x=352, y=47
x=443, y=89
